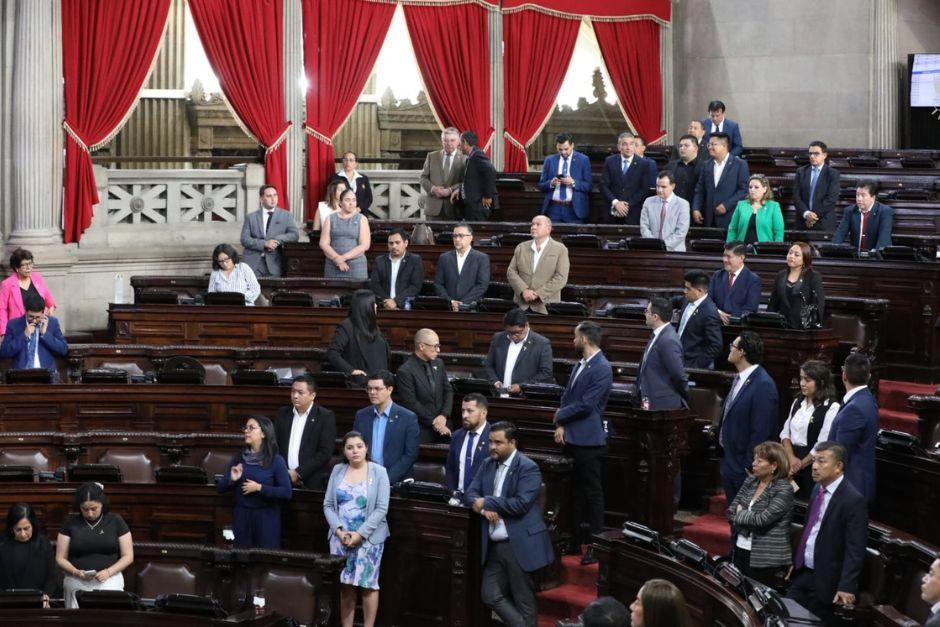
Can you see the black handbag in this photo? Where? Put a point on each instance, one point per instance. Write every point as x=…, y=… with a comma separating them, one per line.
x=809, y=313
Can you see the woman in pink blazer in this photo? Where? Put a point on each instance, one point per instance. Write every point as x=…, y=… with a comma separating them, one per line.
x=22, y=281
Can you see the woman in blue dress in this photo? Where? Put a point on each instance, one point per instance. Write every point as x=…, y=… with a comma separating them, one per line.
x=344, y=239
x=355, y=506
x=259, y=477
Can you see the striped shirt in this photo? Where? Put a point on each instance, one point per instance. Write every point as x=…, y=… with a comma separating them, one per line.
x=241, y=280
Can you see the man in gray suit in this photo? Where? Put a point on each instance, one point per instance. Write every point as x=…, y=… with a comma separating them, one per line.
x=263, y=233
x=462, y=274
x=662, y=382
x=666, y=216
x=518, y=355
x=442, y=175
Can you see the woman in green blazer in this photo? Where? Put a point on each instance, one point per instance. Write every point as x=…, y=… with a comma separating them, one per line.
x=759, y=218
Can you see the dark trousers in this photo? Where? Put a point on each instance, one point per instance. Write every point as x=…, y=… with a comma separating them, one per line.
x=257, y=527
x=731, y=483
x=475, y=212
x=803, y=591
x=507, y=589
x=562, y=213
x=742, y=559
x=587, y=494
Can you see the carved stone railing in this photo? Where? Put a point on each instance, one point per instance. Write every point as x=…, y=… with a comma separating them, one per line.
x=396, y=194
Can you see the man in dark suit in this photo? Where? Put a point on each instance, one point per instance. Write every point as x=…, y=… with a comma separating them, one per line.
x=816, y=190
x=516, y=542
x=518, y=355
x=866, y=226
x=468, y=446
x=699, y=323
x=697, y=130
x=463, y=274
x=478, y=190
x=306, y=435
x=424, y=389
x=687, y=168
x=721, y=186
x=661, y=381
x=389, y=430
x=581, y=429
x=749, y=414
x=856, y=425
x=263, y=233
x=566, y=181
x=831, y=552
x=930, y=592
x=398, y=275
x=734, y=289
x=35, y=339
x=626, y=181
x=718, y=123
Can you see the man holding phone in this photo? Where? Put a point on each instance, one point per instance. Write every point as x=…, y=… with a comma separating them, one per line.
x=566, y=181
x=35, y=339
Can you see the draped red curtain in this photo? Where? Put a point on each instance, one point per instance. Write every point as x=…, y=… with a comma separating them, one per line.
x=342, y=39
x=108, y=49
x=451, y=44
x=243, y=40
x=603, y=9
x=537, y=49
x=631, y=54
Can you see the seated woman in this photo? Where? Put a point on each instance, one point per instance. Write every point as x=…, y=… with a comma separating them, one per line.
x=23, y=281
x=659, y=603
x=355, y=180
x=760, y=516
x=344, y=240
x=27, y=560
x=798, y=293
x=811, y=416
x=259, y=478
x=229, y=275
x=93, y=547
x=355, y=507
x=358, y=346
x=331, y=205
x=758, y=218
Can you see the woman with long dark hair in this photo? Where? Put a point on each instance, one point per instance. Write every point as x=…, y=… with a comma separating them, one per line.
x=258, y=475
x=659, y=603
x=358, y=346
x=810, y=419
x=26, y=556
x=798, y=290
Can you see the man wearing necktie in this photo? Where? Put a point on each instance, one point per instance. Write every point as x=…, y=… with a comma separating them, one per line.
x=468, y=446
x=718, y=123
x=626, y=181
x=866, y=227
x=263, y=233
x=442, y=175
x=816, y=190
x=566, y=181
x=424, y=389
x=666, y=216
x=699, y=322
x=34, y=340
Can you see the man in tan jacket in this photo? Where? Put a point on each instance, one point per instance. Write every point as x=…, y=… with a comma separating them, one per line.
x=442, y=174
x=539, y=268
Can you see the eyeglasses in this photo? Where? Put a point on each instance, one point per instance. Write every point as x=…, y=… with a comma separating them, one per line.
x=814, y=153
x=248, y=428
x=461, y=235
x=370, y=388
x=26, y=264
x=222, y=260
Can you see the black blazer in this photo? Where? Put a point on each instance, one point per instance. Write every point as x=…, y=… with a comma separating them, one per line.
x=345, y=352
x=479, y=180
x=701, y=339
x=316, y=443
x=686, y=176
x=534, y=364
x=471, y=284
x=811, y=291
x=416, y=393
x=824, y=200
x=363, y=191
x=407, y=283
x=634, y=187
x=840, y=545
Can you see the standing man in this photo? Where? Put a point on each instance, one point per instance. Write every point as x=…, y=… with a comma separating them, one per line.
x=665, y=216
x=442, y=175
x=538, y=270
x=699, y=322
x=518, y=355
x=581, y=429
x=687, y=168
x=749, y=414
x=721, y=186
x=463, y=274
x=306, y=434
x=718, y=123
x=626, y=182
x=867, y=225
x=855, y=427
x=263, y=233
x=389, y=430
x=398, y=275
x=566, y=181
x=424, y=389
x=734, y=289
x=516, y=543
x=661, y=381
x=697, y=130
x=467, y=448
x=479, y=182
x=816, y=190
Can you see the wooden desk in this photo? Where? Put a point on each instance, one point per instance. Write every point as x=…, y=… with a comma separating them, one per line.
x=122, y=618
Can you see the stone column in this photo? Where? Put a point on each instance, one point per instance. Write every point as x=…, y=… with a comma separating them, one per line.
x=294, y=105
x=885, y=75
x=665, y=73
x=496, y=88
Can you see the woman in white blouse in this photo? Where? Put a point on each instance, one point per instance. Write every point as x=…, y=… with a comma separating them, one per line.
x=228, y=275
x=810, y=419
x=331, y=205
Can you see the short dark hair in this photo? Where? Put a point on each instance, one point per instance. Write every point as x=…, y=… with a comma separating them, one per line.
x=464, y=225
x=16, y=513
x=34, y=302
x=722, y=137
x=405, y=235
x=507, y=427
x=666, y=174
x=19, y=256
x=591, y=331
x=308, y=379
x=640, y=139
x=838, y=451
x=737, y=247
x=388, y=379
x=477, y=398
x=229, y=250
x=716, y=105
x=691, y=138
x=265, y=187
x=821, y=375
x=350, y=435
x=605, y=612
x=470, y=137
x=870, y=185
x=661, y=307
x=697, y=278
x=752, y=346
x=561, y=138
x=515, y=318
x=92, y=491
x=821, y=145
x=857, y=369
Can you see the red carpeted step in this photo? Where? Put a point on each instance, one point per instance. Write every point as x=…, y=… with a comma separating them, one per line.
x=573, y=572
x=898, y=420
x=717, y=504
x=711, y=532
x=566, y=601
x=893, y=395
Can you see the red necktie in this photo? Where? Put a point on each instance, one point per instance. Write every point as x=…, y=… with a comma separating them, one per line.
x=861, y=239
x=662, y=218
x=730, y=280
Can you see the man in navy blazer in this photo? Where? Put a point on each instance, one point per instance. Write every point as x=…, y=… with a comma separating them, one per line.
x=714, y=203
x=467, y=454
x=398, y=275
x=626, y=182
x=478, y=189
x=856, y=425
x=581, y=429
x=734, y=289
x=263, y=233
x=516, y=542
x=389, y=430
x=566, y=181
x=749, y=413
x=462, y=274
x=816, y=190
x=878, y=221
x=530, y=360
x=699, y=323
x=661, y=381
x=718, y=123
x=34, y=340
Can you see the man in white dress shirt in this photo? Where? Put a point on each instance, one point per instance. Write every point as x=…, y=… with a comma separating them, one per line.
x=306, y=435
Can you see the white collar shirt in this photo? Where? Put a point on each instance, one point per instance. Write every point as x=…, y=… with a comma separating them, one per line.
x=498, y=531
x=563, y=171
x=537, y=253
x=582, y=365
x=688, y=311
x=463, y=450
x=716, y=128
x=852, y=392
x=461, y=259
x=396, y=266
x=296, y=434
x=719, y=168
x=796, y=428
x=512, y=354
x=808, y=553
x=743, y=376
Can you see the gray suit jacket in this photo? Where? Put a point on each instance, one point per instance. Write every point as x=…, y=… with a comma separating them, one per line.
x=281, y=228
x=534, y=364
x=547, y=279
x=375, y=527
x=676, y=224
x=433, y=174
x=933, y=620
x=470, y=285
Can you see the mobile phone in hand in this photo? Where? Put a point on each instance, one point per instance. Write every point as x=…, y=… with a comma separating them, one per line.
x=89, y=573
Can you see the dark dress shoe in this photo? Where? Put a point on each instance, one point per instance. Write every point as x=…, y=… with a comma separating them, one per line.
x=572, y=548
x=589, y=557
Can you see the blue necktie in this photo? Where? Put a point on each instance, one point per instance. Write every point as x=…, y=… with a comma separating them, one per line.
x=468, y=461
x=814, y=177
x=623, y=167
x=563, y=189
x=33, y=347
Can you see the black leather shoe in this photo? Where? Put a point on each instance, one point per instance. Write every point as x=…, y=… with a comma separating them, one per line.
x=572, y=548
x=589, y=557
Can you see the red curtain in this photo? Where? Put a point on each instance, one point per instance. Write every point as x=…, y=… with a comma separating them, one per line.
x=107, y=51
x=631, y=53
x=243, y=40
x=655, y=9
x=342, y=39
x=451, y=44
x=537, y=49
